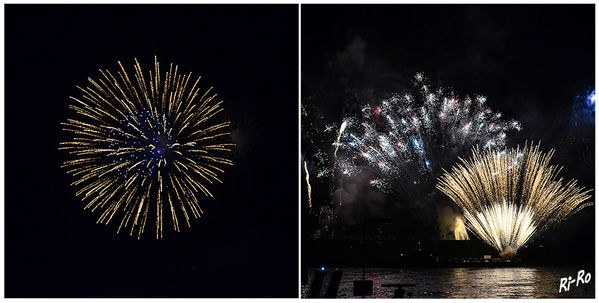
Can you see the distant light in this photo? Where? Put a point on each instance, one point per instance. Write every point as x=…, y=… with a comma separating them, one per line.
x=159, y=151
x=591, y=99
x=322, y=268
x=431, y=255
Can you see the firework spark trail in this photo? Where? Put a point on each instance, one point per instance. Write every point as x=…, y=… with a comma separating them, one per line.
x=139, y=144
x=341, y=129
x=308, y=185
x=509, y=197
x=407, y=138
x=459, y=231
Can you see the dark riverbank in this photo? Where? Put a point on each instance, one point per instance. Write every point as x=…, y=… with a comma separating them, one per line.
x=431, y=253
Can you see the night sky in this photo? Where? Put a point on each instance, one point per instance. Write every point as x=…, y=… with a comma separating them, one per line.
x=246, y=244
x=530, y=61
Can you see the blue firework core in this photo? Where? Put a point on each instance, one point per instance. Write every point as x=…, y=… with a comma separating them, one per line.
x=152, y=140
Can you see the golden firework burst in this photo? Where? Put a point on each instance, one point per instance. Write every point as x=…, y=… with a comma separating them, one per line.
x=139, y=144
x=509, y=197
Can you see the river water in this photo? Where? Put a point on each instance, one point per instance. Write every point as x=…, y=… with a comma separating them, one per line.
x=513, y=282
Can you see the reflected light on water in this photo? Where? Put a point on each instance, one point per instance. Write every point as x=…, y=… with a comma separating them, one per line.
x=515, y=282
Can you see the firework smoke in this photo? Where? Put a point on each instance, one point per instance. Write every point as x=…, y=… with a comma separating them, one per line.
x=459, y=231
x=451, y=225
x=137, y=145
x=509, y=197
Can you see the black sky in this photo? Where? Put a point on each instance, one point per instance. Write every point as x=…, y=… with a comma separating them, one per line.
x=530, y=61
x=514, y=54
x=246, y=244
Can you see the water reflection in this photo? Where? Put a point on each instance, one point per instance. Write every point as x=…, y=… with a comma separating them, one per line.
x=519, y=282
x=491, y=282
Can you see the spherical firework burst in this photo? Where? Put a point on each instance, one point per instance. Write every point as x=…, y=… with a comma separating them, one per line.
x=406, y=139
x=138, y=145
x=509, y=197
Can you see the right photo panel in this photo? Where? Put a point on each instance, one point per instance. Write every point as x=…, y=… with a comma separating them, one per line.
x=447, y=151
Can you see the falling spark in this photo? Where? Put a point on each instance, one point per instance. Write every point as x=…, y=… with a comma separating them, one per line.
x=309, y=187
x=138, y=144
x=509, y=197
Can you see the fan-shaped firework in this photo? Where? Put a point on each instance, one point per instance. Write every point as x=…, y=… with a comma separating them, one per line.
x=139, y=144
x=509, y=197
x=406, y=139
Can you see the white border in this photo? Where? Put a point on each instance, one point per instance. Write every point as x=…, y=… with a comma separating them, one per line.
x=299, y=2
x=299, y=151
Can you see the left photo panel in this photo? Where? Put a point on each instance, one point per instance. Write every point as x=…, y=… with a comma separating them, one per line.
x=151, y=151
